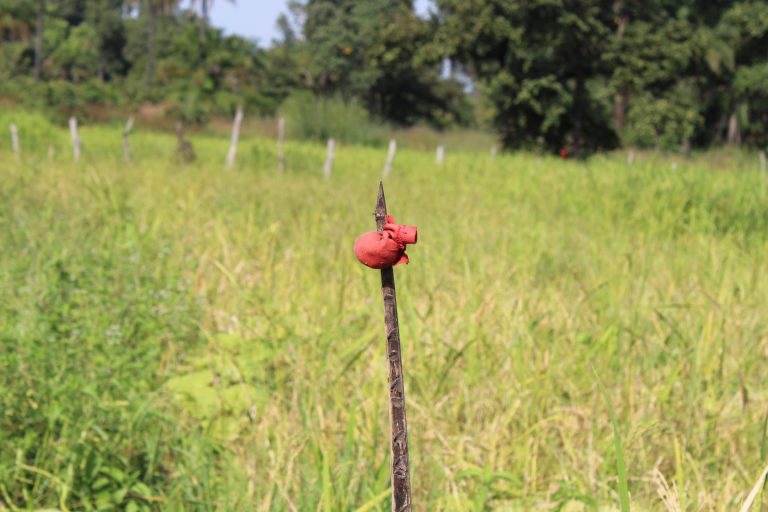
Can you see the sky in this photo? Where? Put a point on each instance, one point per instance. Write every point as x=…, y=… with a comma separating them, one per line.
x=255, y=19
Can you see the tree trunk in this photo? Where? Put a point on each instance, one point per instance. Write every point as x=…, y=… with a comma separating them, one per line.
x=39, y=22
x=685, y=147
x=734, y=134
x=202, y=29
x=578, y=116
x=619, y=111
x=151, y=30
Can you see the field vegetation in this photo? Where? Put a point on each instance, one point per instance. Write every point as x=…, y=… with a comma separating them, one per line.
x=180, y=337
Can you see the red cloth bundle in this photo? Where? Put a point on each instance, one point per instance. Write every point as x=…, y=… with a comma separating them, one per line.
x=382, y=249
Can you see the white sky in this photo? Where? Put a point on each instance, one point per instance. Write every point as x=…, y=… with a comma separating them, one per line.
x=255, y=19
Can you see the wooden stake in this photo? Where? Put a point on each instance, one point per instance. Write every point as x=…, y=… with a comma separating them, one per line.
x=761, y=158
x=232, y=153
x=126, y=142
x=328, y=166
x=185, y=151
x=401, y=480
x=390, y=158
x=76, y=144
x=281, y=144
x=493, y=152
x=15, y=140
x=440, y=155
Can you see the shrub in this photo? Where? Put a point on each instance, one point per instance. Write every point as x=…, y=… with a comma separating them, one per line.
x=315, y=118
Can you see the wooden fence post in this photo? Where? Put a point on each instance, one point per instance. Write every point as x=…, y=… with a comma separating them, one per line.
x=440, y=155
x=399, y=464
x=76, y=144
x=390, y=158
x=15, y=140
x=281, y=144
x=235, y=137
x=493, y=152
x=126, y=142
x=761, y=158
x=185, y=150
x=328, y=165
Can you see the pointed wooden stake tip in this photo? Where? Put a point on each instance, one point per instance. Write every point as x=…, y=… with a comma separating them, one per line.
x=381, y=208
x=380, y=196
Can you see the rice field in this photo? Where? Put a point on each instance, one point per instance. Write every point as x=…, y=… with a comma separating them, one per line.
x=576, y=335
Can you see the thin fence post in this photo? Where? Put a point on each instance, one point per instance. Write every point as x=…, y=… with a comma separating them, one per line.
x=630, y=158
x=232, y=153
x=440, y=155
x=15, y=140
x=761, y=158
x=185, y=151
x=76, y=144
x=126, y=142
x=328, y=166
x=399, y=464
x=281, y=144
x=390, y=158
x=493, y=152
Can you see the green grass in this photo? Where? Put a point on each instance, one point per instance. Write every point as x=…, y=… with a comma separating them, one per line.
x=186, y=338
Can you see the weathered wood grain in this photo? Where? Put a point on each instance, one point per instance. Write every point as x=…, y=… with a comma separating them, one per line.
x=401, y=480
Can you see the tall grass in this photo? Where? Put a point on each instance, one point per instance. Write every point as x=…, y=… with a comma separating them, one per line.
x=179, y=337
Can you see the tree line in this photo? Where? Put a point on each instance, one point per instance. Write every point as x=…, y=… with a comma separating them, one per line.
x=571, y=76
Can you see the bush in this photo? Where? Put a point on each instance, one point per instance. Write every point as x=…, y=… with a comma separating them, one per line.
x=190, y=107
x=35, y=130
x=311, y=117
x=663, y=123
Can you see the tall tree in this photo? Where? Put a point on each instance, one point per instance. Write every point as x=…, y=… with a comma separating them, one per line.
x=745, y=27
x=378, y=53
x=152, y=10
x=539, y=62
x=648, y=59
x=105, y=17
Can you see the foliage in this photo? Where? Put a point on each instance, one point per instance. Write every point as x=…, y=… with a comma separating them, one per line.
x=534, y=60
x=157, y=51
x=664, y=122
x=747, y=25
x=751, y=87
x=95, y=53
x=320, y=119
x=575, y=77
x=378, y=52
x=35, y=131
x=673, y=73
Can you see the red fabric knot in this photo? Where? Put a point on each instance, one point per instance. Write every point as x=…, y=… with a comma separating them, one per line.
x=382, y=249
